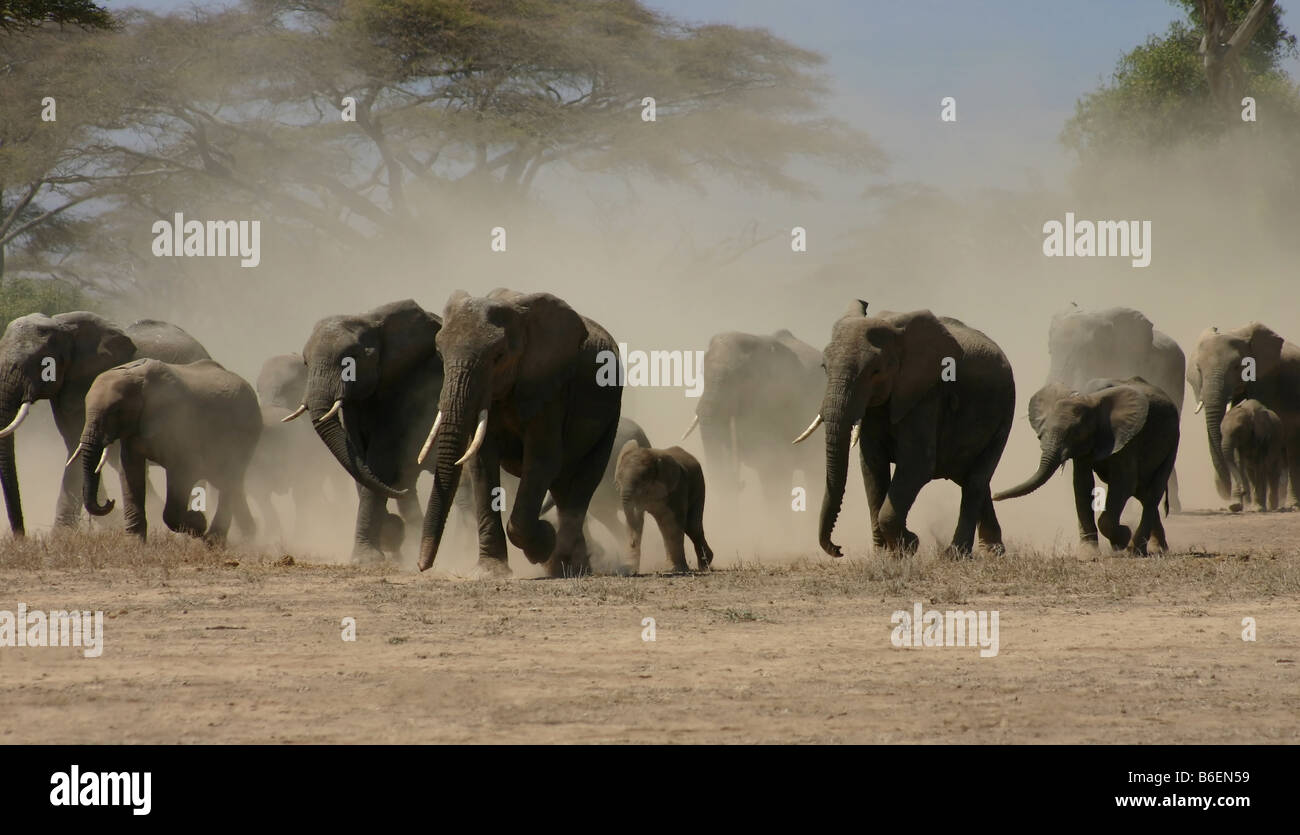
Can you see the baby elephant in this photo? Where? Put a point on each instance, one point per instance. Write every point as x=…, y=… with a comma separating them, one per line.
x=1253, y=447
x=669, y=485
x=197, y=421
x=1124, y=431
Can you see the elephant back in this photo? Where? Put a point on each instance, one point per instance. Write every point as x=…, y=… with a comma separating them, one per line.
x=166, y=342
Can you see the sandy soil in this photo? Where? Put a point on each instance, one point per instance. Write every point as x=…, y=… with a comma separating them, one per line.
x=791, y=649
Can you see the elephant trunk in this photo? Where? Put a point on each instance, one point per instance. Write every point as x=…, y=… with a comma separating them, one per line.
x=14, y=394
x=91, y=449
x=1052, y=458
x=1216, y=406
x=838, y=429
x=324, y=396
x=463, y=396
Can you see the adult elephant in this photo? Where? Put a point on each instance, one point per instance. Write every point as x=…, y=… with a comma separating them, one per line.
x=755, y=389
x=1118, y=342
x=528, y=389
x=372, y=387
x=1250, y=362
x=56, y=358
x=933, y=397
x=197, y=421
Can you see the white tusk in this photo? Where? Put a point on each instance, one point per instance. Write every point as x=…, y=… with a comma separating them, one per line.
x=428, y=443
x=75, y=453
x=334, y=410
x=297, y=413
x=695, y=421
x=17, y=421
x=1199, y=404
x=853, y=436
x=817, y=421
x=479, y=432
x=103, y=456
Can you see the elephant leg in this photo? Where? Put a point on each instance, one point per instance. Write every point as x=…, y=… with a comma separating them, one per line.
x=1175, y=503
x=990, y=531
x=485, y=485
x=534, y=536
x=903, y=489
x=1293, y=468
x=1084, y=484
x=1236, y=473
x=695, y=530
x=133, y=493
x=973, y=498
x=1120, y=490
x=177, y=515
x=372, y=517
x=875, y=478
x=1259, y=483
x=635, y=527
x=673, y=535
x=220, y=525
x=67, y=507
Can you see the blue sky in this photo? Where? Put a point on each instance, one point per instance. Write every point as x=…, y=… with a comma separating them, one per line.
x=1016, y=68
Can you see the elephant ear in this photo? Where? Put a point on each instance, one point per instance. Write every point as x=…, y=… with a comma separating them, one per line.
x=1042, y=402
x=925, y=344
x=1122, y=412
x=630, y=446
x=1194, y=378
x=407, y=334
x=554, y=335
x=1265, y=346
x=98, y=346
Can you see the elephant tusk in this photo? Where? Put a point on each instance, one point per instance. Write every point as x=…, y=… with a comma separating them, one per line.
x=695, y=421
x=854, y=435
x=1199, y=405
x=297, y=413
x=479, y=432
x=103, y=456
x=334, y=410
x=817, y=421
x=75, y=453
x=428, y=443
x=17, y=421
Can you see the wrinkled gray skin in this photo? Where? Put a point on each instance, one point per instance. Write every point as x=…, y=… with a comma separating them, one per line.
x=1118, y=342
x=1255, y=454
x=669, y=485
x=82, y=346
x=1123, y=431
x=531, y=363
x=755, y=399
x=1215, y=374
x=606, y=501
x=197, y=421
x=389, y=398
x=885, y=371
x=289, y=461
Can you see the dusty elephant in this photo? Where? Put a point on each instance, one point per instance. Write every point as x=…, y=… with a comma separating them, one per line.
x=1255, y=454
x=197, y=421
x=933, y=397
x=755, y=390
x=669, y=485
x=56, y=358
x=1116, y=343
x=534, y=388
x=1248, y=363
x=1123, y=431
x=373, y=382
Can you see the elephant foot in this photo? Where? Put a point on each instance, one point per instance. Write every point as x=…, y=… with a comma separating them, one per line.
x=392, y=533
x=365, y=553
x=540, y=548
x=1121, y=539
x=957, y=552
x=492, y=568
x=903, y=545
x=996, y=549
x=1235, y=507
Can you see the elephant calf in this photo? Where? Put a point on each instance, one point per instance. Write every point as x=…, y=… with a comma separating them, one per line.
x=669, y=485
x=1124, y=431
x=1253, y=448
x=197, y=421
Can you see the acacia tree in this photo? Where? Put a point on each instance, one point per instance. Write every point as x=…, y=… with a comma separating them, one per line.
x=25, y=15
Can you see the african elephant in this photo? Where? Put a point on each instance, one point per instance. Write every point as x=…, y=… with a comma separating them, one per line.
x=1124, y=431
x=372, y=387
x=933, y=397
x=606, y=502
x=289, y=460
x=1256, y=457
x=755, y=388
x=529, y=389
x=56, y=358
x=669, y=485
x=1117, y=342
x=197, y=421
x=1251, y=362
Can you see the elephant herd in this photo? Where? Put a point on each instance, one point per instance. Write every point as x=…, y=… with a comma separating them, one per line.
x=510, y=382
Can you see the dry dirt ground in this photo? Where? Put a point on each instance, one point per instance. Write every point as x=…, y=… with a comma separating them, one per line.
x=230, y=646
